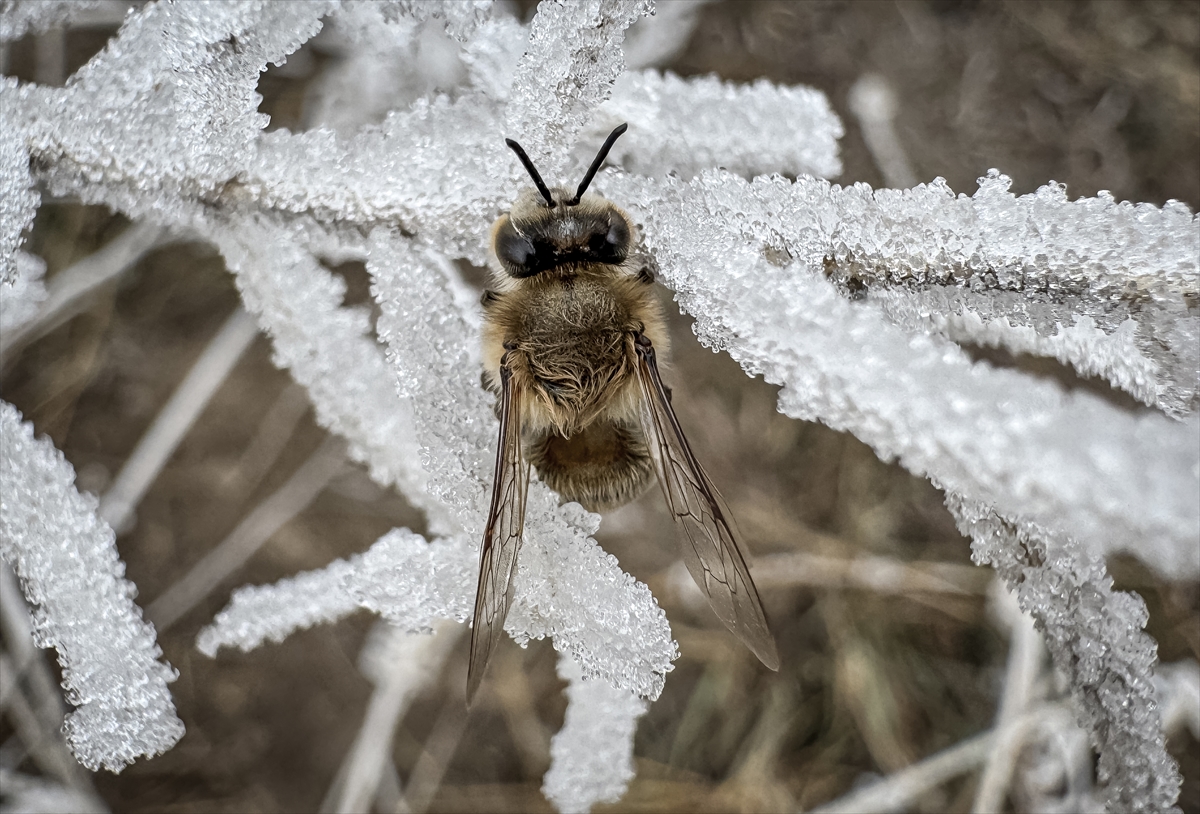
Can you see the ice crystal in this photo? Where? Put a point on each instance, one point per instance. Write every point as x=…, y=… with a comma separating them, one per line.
x=856, y=301
x=1095, y=636
x=592, y=755
x=19, y=17
x=18, y=199
x=66, y=558
x=754, y=261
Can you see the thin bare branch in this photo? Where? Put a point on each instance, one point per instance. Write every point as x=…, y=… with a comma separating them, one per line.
x=176, y=418
x=70, y=289
x=1024, y=666
x=874, y=104
x=250, y=534
x=410, y=663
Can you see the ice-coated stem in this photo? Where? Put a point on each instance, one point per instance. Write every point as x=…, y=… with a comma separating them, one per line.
x=66, y=558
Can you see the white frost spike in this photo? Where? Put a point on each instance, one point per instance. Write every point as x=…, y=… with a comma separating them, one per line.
x=592, y=755
x=329, y=350
x=1096, y=637
x=566, y=585
x=19, y=17
x=750, y=261
x=1036, y=262
x=19, y=300
x=18, y=198
x=171, y=102
x=573, y=57
x=685, y=126
x=83, y=606
x=410, y=582
x=413, y=583
x=270, y=613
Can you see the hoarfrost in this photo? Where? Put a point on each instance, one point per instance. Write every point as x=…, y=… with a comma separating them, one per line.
x=852, y=299
x=19, y=17
x=19, y=300
x=754, y=262
x=592, y=755
x=18, y=199
x=572, y=58
x=682, y=127
x=1095, y=636
x=270, y=613
x=83, y=606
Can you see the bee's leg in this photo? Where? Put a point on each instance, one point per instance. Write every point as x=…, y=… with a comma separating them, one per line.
x=489, y=298
x=646, y=275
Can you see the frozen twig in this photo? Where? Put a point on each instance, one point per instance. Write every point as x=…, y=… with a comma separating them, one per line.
x=592, y=755
x=250, y=534
x=176, y=418
x=1096, y=638
x=67, y=560
x=20, y=17
x=939, y=415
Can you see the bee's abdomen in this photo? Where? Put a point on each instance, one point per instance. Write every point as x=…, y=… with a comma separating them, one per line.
x=601, y=467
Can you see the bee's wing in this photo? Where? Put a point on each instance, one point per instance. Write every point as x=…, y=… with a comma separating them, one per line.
x=710, y=548
x=501, y=538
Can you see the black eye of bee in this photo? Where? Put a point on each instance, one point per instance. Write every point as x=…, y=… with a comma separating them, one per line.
x=618, y=236
x=520, y=255
x=537, y=248
x=512, y=248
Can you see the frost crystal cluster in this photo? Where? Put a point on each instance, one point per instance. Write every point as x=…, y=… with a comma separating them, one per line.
x=83, y=605
x=857, y=302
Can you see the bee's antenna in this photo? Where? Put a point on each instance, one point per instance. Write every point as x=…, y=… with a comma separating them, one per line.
x=600, y=156
x=533, y=173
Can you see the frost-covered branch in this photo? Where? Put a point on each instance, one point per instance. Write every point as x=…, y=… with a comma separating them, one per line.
x=855, y=301
x=83, y=607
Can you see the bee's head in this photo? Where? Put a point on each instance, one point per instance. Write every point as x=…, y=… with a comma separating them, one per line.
x=552, y=228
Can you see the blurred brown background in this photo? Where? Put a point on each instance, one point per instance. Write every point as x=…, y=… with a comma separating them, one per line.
x=1099, y=95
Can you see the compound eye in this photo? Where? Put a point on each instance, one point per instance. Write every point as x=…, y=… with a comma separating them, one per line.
x=615, y=243
x=618, y=235
x=515, y=251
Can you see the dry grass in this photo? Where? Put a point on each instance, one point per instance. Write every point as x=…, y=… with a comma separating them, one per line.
x=1097, y=95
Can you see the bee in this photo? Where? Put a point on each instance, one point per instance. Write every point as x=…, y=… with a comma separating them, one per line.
x=572, y=333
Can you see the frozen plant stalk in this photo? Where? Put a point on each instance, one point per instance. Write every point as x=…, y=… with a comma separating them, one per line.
x=853, y=300
x=67, y=560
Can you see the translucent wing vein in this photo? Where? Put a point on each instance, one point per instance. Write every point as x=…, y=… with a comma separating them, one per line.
x=710, y=548
x=501, y=537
